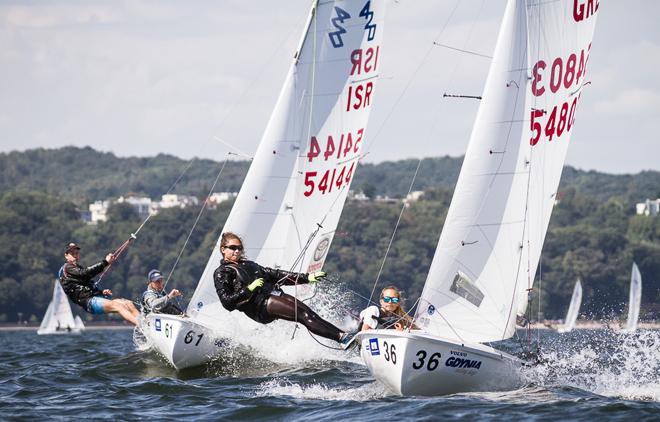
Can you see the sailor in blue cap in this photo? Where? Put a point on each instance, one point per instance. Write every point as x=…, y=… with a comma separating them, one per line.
x=154, y=299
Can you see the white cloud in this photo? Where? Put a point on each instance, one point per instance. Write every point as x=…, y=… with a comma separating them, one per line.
x=634, y=101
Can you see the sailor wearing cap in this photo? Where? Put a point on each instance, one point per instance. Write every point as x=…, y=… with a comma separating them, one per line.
x=78, y=284
x=154, y=298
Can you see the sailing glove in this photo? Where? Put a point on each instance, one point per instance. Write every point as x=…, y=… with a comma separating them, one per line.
x=256, y=283
x=317, y=276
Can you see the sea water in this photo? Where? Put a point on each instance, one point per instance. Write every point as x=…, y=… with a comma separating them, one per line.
x=585, y=375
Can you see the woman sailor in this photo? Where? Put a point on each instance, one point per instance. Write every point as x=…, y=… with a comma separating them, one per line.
x=248, y=287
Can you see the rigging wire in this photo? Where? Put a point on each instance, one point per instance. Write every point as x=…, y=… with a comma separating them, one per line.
x=199, y=215
x=394, y=106
x=372, y=140
x=396, y=226
x=124, y=246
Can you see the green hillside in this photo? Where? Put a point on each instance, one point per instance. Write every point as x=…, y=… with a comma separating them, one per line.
x=594, y=233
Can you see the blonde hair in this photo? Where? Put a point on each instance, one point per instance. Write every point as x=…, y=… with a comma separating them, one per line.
x=404, y=318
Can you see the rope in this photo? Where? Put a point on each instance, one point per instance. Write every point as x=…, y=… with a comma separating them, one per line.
x=199, y=215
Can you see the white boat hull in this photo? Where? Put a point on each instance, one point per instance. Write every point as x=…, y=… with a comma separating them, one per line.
x=182, y=341
x=416, y=364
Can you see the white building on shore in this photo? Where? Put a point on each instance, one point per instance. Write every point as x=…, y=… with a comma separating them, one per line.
x=649, y=207
x=98, y=211
x=144, y=206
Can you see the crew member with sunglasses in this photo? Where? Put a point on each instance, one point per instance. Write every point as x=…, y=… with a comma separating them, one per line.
x=254, y=290
x=154, y=299
x=389, y=315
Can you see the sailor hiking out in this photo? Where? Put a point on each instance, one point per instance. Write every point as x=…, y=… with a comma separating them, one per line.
x=248, y=287
x=77, y=282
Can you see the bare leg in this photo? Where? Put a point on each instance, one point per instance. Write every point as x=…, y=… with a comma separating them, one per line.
x=284, y=307
x=123, y=307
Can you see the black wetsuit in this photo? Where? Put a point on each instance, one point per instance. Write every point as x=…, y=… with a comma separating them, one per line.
x=267, y=303
x=77, y=281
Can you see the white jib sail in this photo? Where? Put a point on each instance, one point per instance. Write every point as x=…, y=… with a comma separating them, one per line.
x=58, y=316
x=79, y=323
x=574, y=308
x=491, y=242
x=289, y=205
x=635, y=298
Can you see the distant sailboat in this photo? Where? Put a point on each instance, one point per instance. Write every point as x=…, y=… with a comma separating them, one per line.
x=635, y=299
x=490, y=246
x=573, y=309
x=59, y=318
x=290, y=202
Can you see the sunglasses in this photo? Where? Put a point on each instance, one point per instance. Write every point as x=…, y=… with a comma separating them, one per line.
x=234, y=247
x=388, y=299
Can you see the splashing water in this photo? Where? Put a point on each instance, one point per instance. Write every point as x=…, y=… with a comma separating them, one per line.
x=280, y=342
x=288, y=343
x=624, y=365
x=319, y=391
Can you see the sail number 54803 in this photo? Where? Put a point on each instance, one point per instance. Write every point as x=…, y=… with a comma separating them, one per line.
x=560, y=120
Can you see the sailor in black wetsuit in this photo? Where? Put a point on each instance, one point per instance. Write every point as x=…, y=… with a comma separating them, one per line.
x=78, y=284
x=254, y=290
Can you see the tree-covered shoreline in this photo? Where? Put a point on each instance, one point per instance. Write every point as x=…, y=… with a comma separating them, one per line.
x=594, y=232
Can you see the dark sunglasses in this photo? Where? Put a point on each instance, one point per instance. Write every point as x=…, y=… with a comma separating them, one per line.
x=388, y=299
x=234, y=247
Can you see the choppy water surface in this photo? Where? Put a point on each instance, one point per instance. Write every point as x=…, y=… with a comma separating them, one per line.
x=588, y=374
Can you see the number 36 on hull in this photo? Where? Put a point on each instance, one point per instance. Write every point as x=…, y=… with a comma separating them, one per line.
x=412, y=363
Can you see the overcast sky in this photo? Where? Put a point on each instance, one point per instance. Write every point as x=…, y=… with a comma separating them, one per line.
x=148, y=77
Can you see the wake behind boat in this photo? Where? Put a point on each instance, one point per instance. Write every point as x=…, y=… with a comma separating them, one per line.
x=289, y=205
x=486, y=259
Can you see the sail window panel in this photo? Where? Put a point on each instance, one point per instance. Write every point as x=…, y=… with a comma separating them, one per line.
x=465, y=288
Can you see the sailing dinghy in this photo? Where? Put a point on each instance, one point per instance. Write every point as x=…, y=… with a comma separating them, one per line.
x=490, y=245
x=289, y=205
x=573, y=309
x=635, y=300
x=59, y=318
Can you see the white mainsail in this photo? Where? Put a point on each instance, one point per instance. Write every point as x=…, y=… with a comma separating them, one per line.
x=573, y=309
x=289, y=205
x=635, y=298
x=491, y=242
x=58, y=317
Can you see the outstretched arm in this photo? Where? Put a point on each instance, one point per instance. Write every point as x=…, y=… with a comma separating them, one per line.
x=285, y=278
x=89, y=272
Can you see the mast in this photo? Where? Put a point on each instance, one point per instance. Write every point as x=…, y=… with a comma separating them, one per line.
x=289, y=205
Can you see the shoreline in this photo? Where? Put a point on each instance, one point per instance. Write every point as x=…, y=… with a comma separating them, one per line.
x=16, y=327
x=593, y=325
x=546, y=325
